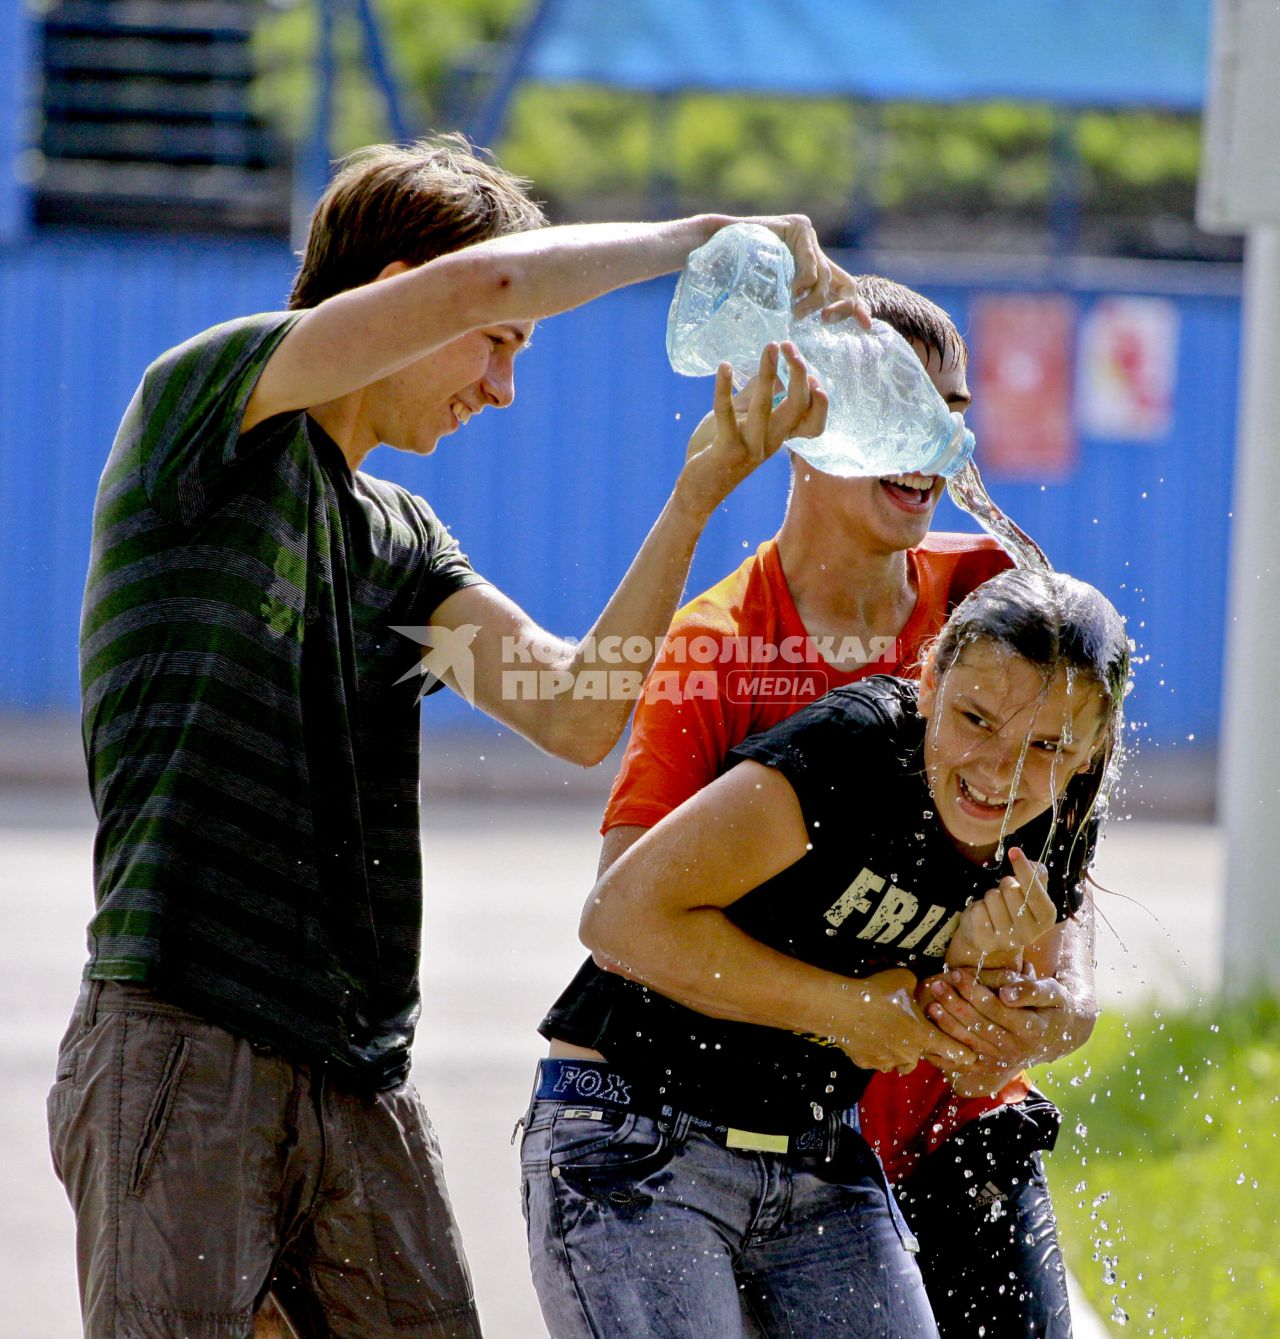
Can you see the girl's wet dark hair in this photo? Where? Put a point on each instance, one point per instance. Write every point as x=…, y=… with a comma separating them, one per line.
x=1054, y=622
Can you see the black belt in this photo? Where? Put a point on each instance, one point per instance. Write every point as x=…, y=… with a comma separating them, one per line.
x=595, y=1083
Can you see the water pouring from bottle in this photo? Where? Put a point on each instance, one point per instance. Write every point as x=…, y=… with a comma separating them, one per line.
x=886, y=416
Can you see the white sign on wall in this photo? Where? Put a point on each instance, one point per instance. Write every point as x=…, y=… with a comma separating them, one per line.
x=1127, y=369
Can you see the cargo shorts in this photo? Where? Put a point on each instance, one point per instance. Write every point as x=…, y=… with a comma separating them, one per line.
x=206, y=1172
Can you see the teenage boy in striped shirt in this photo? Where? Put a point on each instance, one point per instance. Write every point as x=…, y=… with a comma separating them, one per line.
x=231, y=1115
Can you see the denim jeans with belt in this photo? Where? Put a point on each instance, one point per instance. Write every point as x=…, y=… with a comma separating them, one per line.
x=645, y=1227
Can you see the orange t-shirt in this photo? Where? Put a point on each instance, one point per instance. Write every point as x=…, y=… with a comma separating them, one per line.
x=738, y=660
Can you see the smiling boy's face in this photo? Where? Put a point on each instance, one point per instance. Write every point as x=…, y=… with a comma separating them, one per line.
x=435, y=396
x=993, y=717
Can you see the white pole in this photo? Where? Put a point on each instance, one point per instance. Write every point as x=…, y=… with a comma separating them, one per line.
x=1249, y=789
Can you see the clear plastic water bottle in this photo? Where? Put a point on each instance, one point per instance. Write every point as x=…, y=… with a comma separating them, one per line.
x=886, y=416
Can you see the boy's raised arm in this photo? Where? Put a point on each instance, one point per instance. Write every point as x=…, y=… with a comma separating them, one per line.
x=364, y=334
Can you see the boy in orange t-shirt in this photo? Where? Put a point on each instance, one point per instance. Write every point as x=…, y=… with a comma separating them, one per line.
x=854, y=585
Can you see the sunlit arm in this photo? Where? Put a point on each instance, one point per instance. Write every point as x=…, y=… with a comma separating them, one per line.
x=358, y=337
x=657, y=916
x=1066, y=957
x=569, y=698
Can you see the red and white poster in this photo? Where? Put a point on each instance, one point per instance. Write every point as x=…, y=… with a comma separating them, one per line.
x=1021, y=416
x=1128, y=369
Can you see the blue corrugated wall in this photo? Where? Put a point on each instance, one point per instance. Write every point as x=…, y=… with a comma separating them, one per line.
x=1149, y=522
x=552, y=498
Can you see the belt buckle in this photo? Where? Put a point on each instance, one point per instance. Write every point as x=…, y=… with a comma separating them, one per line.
x=753, y=1139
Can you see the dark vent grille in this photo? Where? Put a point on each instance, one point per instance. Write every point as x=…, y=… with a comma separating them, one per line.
x=146, y=120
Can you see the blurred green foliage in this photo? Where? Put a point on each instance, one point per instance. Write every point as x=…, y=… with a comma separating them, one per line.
x=990, y=155
x=425, y=42
x=742, y=154
x=599, y=152
x=1166, y=1176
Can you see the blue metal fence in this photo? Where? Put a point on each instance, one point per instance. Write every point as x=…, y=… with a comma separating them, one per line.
x=1149, y=522
x=80, y=319
x=552, y=497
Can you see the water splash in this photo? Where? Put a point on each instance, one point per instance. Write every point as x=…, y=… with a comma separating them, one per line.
x=968, y=492
x=1013, y=789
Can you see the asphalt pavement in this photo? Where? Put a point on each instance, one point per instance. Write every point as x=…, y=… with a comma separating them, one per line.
x=505, y=880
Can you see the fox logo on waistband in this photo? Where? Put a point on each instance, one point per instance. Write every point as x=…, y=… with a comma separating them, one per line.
x=603, y=1085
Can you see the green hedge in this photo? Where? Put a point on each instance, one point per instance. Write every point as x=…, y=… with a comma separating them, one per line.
x=1167, y=1173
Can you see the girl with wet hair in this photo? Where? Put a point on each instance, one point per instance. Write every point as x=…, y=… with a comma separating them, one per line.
x=1056, y=624
x=693, y=1139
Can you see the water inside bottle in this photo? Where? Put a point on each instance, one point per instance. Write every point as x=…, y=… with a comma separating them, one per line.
x=966, y=490
x=732, y=299
x=885, y=415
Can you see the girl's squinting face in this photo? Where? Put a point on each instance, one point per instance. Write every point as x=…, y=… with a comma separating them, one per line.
x=988, y=708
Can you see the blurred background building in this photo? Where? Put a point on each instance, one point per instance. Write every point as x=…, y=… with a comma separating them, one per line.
x=144, y=120
x=1030, y=164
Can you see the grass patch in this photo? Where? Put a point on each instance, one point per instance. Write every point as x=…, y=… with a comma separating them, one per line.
x=1166, y=1177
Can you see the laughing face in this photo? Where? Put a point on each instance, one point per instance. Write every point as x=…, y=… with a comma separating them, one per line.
x=916, y=495
x=1002, y=741
x=437, y=395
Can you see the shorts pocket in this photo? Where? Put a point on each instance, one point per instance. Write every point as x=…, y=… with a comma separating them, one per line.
x=160, y=1110
x=59, y=1107
x=64, y=1095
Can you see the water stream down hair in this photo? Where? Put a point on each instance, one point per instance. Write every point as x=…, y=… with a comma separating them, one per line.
x=1055, y=622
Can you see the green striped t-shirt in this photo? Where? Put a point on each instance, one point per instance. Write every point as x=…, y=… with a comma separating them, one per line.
x=254, y=765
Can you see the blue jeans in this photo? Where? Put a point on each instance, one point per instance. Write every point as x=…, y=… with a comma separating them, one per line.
x=644, y=1231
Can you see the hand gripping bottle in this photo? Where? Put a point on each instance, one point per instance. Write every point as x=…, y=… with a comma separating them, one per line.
x=886, y=416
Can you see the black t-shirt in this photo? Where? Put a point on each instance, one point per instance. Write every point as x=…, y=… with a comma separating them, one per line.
x=881, y=886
